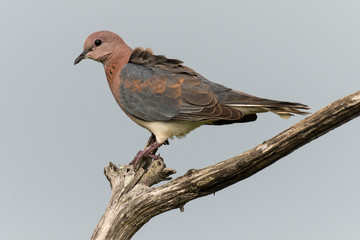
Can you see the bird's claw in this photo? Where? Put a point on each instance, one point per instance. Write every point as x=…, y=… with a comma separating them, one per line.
x=141, y=154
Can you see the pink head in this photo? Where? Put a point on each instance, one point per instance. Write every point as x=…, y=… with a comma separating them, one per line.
x=102, y=46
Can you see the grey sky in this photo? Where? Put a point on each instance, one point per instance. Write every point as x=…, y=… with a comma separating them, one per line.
x=59, y=124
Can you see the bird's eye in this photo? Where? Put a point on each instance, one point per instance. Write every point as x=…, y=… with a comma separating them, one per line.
x=97, y=42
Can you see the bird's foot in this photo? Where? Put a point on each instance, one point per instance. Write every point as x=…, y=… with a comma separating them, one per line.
x=147, y=152
x=140, y=155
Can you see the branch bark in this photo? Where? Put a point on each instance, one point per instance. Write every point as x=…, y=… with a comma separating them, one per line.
x=134, y=202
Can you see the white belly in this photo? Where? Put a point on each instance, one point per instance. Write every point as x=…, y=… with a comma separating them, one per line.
x=168, y=130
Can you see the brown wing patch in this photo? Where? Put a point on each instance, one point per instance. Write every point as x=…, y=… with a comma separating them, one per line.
x=174, y=90
x=135, y=85
x=158, y=85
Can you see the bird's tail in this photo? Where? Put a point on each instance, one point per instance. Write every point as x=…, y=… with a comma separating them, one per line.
x=283, y=109
x=249, y=104
x=288, y=109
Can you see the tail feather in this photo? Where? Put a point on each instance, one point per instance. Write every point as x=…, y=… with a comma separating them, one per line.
x=283, y=109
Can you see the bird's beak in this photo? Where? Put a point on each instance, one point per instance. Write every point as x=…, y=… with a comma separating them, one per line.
x=81, y=57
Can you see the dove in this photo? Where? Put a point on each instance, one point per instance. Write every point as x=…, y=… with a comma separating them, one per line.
x=168, y=98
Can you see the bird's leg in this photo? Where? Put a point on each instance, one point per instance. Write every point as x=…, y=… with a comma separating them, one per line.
x=148, y=151
x=151, y=140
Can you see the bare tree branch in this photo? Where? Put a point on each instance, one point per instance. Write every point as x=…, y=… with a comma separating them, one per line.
x=134, y=201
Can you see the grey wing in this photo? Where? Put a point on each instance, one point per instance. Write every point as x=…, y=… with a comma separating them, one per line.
x=155, y=94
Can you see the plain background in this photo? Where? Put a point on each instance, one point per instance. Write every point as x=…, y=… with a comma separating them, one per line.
x=59, y=124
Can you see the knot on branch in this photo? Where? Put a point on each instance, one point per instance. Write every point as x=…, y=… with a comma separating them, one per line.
x=156, y=172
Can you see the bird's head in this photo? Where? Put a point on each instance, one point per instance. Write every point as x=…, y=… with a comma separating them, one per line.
x=100, y=46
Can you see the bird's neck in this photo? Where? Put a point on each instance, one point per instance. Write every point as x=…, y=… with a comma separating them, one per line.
x=113, y=67
x=115, y=63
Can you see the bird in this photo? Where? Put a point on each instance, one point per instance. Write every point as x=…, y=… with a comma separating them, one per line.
x=168, y=98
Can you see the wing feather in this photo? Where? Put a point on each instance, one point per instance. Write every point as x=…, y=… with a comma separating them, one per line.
x=154, y=88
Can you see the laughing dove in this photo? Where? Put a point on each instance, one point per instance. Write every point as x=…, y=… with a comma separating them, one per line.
x=168, y=98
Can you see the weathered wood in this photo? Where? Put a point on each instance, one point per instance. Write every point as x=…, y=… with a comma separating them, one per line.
x=134, y=201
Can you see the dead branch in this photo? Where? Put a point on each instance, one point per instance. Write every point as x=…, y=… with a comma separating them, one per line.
x=134, y=202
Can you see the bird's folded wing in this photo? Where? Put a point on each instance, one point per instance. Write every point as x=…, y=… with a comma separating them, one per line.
x=162, y=93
